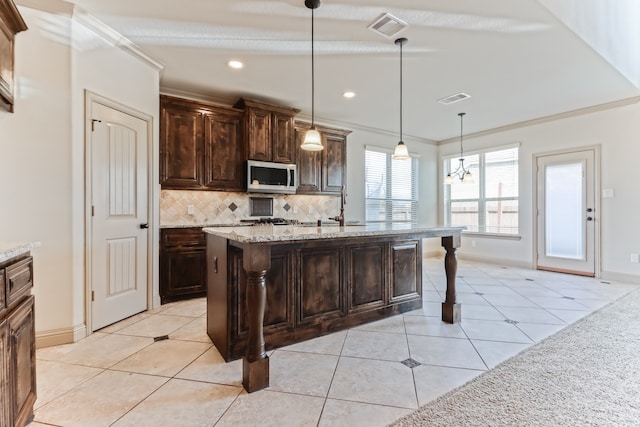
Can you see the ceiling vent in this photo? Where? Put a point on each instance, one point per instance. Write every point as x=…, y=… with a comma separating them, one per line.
x=454, y=98
x=388, y=25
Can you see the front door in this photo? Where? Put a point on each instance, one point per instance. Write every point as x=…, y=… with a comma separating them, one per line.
x=567, y=217
x=118, y=144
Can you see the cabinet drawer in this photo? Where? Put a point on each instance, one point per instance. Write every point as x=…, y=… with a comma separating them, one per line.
x=19, y=279
x=183, y=237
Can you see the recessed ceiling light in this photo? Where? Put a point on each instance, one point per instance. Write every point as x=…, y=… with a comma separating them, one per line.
x=349, y=94
x=235, y=64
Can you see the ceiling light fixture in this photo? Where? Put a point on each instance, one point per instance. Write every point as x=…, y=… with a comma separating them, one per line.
x=312, y=140
x=401, y=152
x=463, y=174
x=235, y=64
x=349, y=94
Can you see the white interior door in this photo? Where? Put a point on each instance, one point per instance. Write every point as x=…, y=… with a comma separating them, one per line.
x=566, y=213
x=119, y=221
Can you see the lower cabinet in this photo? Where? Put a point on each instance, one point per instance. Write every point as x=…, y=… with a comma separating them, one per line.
x=17, y=346
x=312, y=288
x=183, y=264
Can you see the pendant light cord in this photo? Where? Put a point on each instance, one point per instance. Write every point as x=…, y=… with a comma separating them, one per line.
x=461, y=150
x=313, y=84
x=401, y=43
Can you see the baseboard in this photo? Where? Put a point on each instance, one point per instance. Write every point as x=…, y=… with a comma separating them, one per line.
x=620, y=277
x=502, y=262
x=60, y=336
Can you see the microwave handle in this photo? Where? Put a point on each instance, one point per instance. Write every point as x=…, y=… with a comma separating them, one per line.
x=291, y=178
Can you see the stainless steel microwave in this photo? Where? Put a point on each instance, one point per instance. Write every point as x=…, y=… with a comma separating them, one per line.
x=269, y=177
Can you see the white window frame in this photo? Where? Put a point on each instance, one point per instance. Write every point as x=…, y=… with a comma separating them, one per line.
x=389, y=200
x=482, y=200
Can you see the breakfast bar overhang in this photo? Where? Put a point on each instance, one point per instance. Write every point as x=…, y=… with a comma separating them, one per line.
x=270, y=286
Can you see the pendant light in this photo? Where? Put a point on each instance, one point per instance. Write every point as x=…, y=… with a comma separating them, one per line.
x=312, y=140
x=401, y=152
x=463, y=174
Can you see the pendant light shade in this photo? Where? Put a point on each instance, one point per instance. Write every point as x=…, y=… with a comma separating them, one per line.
x=462, y=173
x=312, y=140
x=401, y=152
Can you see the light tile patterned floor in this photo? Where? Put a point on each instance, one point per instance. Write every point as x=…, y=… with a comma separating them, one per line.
x=119, y=376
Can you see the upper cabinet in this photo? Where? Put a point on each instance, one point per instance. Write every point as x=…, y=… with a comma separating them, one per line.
x=322, y=172
x=200, y=146
x=269, y=131
x=11, y=23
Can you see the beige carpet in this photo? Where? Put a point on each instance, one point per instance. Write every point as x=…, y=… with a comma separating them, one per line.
x=588, y=374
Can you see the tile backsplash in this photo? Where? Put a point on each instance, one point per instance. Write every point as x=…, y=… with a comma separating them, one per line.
x=217, y=207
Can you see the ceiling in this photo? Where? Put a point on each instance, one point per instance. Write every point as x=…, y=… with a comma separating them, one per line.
x=518, y=59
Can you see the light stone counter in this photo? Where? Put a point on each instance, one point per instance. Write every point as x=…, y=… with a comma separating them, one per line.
x=287, y=233
x=10, y=250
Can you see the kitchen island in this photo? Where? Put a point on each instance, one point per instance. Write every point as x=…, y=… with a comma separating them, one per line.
x=270, y=286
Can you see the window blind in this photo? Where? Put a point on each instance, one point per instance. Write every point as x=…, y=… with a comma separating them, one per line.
x=390, y=187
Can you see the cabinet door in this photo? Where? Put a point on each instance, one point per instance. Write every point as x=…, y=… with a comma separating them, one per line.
x=309, y=178
x=22, y=362
x=181, y=159
x=224, y=152
x=5, y=402
x=334, y=162
x=284, y=142
x=366, y=276
x=184, y=273
x=259, y=134
x=406, y=271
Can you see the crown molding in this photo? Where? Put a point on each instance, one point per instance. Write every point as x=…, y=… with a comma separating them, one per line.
x=551, y=118
x=82, y=17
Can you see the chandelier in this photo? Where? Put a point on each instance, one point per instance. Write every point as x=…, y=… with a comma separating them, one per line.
x=462, y=173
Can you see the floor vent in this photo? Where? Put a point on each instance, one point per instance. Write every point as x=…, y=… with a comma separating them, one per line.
x=387, y=25
x=454, y=98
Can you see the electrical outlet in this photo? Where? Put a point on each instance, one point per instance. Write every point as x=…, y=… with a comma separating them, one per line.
x=634, y=258
x=473, y=243
x=191, y=209
x=295, y=209
x=310, y=210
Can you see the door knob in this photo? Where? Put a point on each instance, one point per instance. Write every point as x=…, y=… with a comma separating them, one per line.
x=144, y=225
x=589, y=218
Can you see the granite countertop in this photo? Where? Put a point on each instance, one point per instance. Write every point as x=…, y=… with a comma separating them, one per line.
x=285, y=233
x=10, y=250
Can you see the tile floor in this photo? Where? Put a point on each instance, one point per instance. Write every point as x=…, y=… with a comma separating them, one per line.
x=119, y=376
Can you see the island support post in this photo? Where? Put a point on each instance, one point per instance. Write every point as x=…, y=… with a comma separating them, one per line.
x=255, y=365
x=451, y=310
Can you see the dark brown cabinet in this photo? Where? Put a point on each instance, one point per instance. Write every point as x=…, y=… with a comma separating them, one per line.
x=17, y=342
x=322, y=172
x=201, y=146
x=183, y=264
x=11, y=23
x=269, y=131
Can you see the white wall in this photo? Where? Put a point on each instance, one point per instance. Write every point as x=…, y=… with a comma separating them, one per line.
x=428, y=177
x=617, y=132
x=42, y=146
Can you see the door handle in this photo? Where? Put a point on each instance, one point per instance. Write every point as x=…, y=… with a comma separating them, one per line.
x=589, y=218
x=146, y=225
x=589, y=210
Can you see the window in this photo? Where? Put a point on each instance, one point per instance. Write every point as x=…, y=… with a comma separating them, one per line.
x=391, y=187
x=490, y=204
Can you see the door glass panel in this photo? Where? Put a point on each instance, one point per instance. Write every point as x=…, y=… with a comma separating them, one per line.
x=564, y=204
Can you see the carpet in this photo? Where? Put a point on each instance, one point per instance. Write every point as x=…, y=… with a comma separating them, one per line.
x=587, y=374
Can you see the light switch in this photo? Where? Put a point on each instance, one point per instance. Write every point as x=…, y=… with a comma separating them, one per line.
x=191, y=209
x=608, y=193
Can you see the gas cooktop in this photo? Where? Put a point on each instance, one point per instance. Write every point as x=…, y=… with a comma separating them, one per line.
x=270, y=220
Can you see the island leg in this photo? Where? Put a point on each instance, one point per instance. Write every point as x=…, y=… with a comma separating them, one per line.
x=255, y=365
x=451, y=310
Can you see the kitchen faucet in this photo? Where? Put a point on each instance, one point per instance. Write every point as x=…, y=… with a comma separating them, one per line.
x=343, y=201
